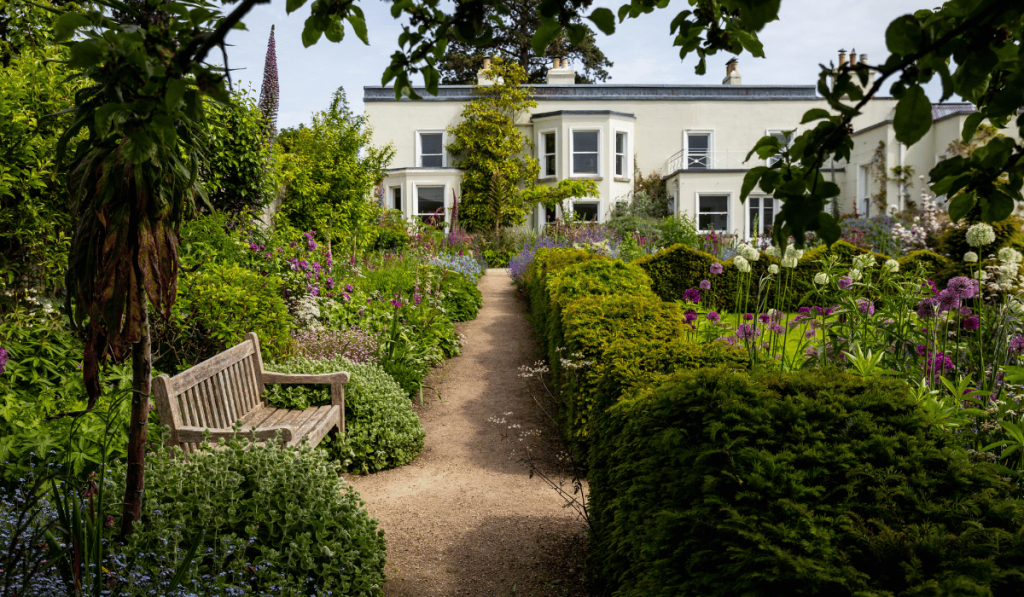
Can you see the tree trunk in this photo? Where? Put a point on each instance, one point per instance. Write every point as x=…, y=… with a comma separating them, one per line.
x=142, y=369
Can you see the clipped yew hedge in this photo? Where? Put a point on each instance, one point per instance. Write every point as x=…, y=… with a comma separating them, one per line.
x=816, y=483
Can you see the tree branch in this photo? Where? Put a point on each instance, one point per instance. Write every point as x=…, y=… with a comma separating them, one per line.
x=202, y=44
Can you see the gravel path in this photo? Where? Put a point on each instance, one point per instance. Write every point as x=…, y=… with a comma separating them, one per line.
x=465, y=518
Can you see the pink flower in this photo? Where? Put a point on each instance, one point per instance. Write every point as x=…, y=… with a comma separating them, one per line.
x=716, y=268
x=705, y=285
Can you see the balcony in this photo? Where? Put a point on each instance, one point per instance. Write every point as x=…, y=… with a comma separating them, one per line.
x=724, y=159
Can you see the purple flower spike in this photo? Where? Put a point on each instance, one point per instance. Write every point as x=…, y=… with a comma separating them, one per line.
x=270, y=90
x=691, y=295
x=713, y=316
x=748, y=317
x=4, y=357
x=972, y=323
x=1017, y=345
x=716, y=268
x=705, y=285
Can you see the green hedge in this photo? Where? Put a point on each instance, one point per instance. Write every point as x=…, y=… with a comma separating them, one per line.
x=678, y=268
x=817, y=483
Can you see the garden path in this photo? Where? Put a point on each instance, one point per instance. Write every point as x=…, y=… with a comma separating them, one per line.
x=466, y=518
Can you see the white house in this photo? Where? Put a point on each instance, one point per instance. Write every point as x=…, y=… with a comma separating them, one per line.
x=695, y=136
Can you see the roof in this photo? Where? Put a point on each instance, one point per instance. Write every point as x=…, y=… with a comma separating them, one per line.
x=583, y=113
x=462, y=93
x=940, y=111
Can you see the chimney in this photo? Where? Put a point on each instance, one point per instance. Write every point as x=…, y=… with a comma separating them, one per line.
x=732, y=73
x=871, y=72
x=483, y=77
x=560, y=73
x=853, y=57
x=842, y=58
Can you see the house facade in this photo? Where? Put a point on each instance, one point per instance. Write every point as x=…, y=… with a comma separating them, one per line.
x=695, y=137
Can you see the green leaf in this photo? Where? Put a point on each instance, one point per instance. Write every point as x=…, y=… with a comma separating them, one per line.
x=904, y=35
x=828, y=228
x=815, y=114
x=85, y=54
x=546, y=33
x=359, y=26
x=311, y=32
x=749, y=42
x=997, y=207
x=103, y=117
x=577, y=33
x=293, y=5
x=750, y=179
x=913, y=116
x=604, y=19
x=335, y=31
x=961, y=205
x=175, y=91
x=65, y=26
x=971, y=125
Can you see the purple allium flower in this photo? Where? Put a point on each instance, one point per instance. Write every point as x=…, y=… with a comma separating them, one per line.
x=748, y=317
x=921, y=350
x=1017, y=345
x=747, y=331
x=928, y=308
x=938, y=363
x=929, y=285
x=690, y=316
x=705, y=284
x=764, y=318
x=972, y=323
x=254, y=247
x=948, y=301
x=4, y=357
x=270, y=90
x=804, y=310
x=713, y=316
x=866, y=307
x=349, y=288
x=776, y=328
x=691, y=295
x=845, y=282
x=396, y=303
x=961, y=286
x=716, y=268
x=311, y=245
x=965, y=311
x=809, y=333
x=730, y=340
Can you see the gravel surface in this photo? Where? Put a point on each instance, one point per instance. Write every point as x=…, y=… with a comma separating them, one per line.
x=466, y=518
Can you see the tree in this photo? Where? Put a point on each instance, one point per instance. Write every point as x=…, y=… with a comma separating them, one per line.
x=515, y=24
x=234, y=172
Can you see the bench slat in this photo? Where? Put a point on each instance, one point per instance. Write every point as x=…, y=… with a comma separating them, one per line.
x=257, y=417
x=190, y=377
x=329, y=421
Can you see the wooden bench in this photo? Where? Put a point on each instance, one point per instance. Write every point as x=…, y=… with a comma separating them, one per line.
x=227, y=388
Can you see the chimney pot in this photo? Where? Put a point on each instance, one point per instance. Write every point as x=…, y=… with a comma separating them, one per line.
x=853, y=57
x=487, y=62
x=554, y=63
x=560, y=73
x=732, y=73
x=842, y=58
x=565, y=63
x=863, y=58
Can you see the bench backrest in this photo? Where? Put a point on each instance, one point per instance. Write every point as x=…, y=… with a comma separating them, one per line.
x=213, y=394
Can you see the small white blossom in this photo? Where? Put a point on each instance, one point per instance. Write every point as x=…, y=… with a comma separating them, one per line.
x=892, y=266
x=971, y=257
x=742, y=265
x=821, y=278
x=773, y=269
x=789, y=262
x=1009, y=255
x=855, y=275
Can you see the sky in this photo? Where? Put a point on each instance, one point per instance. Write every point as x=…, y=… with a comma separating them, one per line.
x=808, y=33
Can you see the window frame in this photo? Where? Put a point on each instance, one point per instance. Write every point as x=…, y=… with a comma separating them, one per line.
x=543, y=155
x=572, y=151
x=594, y=202
x=444, y=199
x=760, y=212
x=863, y=189
x=419, y=147
x=401, y=203
x=728, y=209
x=624, y=175
x=710, y=150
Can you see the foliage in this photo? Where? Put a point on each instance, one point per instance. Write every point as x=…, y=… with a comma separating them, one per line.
x=462, y=299
x=235, y=170
x=514, y=25
x=207, y=239
x=280, y=519
x=329, y=172
x=382, y=430
x=216, y=307
x=34, y=219
x=353, y=344
x=799, y=484
x=952, y=243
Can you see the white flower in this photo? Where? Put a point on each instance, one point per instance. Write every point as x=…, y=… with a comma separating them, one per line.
x=821, y=278
x=892, y=266
x=789, y=262
x=1009, y=255
x=864, y=261
x=855, y=275
x=773, y=269
x=741, y=264
x=980, y=235
x=793, y=252
x=971, y=257
x=753, y=254
x=772, y=251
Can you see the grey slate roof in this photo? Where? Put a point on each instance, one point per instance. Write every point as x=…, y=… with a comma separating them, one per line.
x=461, y=93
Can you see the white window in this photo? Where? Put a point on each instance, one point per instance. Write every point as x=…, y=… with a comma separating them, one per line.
x=620, y=154
x=548, y=155
x=585, y=154
x=863, y=190
x=585, y=211
x=430, y=203
x=762, y=214
x=713, y=212
x=784, y=140
x=430, y=149
x=698, y=150
x=396, y=198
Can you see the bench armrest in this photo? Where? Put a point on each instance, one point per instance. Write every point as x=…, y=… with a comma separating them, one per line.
x=195, y=435
x=299, y=378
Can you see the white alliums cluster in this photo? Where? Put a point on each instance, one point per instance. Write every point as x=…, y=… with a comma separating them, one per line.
x=1009, y=255
x=773, y=269
x=865, y=261
x=855, y=275
x=789, y=262
x=929, y=223
x=971, y=257
x=748, y=252
x=891, y=266
x=980, y=235
x=821, y=278
x=772, y=252
x=742, y=265
x=793, y=253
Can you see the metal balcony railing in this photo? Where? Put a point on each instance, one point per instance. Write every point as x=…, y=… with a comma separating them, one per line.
x=724, y=159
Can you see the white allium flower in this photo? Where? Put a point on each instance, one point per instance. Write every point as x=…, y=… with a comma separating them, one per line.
x=855, y=275
x=980, y=235
x=742, y=265
x=892, y=266
x=971, y=257
x=1009, y=255
x=753, y=254
x=789, y=262
x=773, y=269
x=864, y=261
x=772, y=251
x=821, y=278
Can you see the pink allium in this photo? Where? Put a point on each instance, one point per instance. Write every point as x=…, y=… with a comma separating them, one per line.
x=713, y=316
x=845, y=282
x=705, y=285
x=716, y=268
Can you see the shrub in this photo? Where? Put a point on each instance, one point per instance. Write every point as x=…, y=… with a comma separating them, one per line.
x=462, y=299
x=280, y=520
x=236, y=174
x=816, y=483
x=382, y=430
x=353, y=344
x=216, y=307
x=953, y=244
x=935, y=266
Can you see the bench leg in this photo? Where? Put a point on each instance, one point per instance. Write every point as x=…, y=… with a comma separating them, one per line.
x=338, y=399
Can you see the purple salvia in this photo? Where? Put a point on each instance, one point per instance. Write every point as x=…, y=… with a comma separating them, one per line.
x=270, y=91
